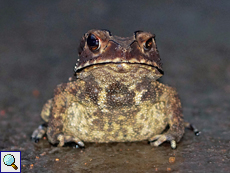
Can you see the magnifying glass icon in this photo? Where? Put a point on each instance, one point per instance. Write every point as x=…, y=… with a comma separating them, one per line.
x=9, y=160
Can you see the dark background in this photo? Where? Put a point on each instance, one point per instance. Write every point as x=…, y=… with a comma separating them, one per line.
x=38, y=50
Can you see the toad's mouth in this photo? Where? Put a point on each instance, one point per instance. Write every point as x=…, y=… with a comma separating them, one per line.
x=119, y=65
x=120, y=71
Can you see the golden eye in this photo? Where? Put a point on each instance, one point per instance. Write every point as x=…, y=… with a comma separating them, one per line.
x=93, y=42
x=148, y=44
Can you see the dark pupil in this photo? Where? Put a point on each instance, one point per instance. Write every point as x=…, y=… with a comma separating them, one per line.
x=92, y=41
x=149, y=43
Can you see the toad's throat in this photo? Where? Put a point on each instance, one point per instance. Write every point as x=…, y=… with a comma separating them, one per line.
x=114, y=86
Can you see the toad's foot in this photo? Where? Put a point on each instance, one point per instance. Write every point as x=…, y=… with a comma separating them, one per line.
x=64, y=139
x=159, y=139
x=192, y=127
x=39, y=132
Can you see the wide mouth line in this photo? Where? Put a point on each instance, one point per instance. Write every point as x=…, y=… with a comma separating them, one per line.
x=111, y=62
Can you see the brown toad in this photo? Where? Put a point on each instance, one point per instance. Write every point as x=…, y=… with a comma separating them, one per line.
x=114, y=96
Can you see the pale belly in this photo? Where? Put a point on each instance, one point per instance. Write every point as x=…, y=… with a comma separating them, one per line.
x=92, y=124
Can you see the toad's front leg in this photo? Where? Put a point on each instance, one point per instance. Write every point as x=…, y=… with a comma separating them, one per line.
x=57, y=132
x=174, y=113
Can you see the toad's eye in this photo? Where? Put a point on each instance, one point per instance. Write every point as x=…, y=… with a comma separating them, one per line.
x=148, y=44
x=93, y=42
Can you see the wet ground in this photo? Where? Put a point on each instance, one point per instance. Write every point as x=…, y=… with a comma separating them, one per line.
x=38, y=50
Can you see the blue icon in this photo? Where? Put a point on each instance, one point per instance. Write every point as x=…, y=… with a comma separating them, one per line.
x=9, y=160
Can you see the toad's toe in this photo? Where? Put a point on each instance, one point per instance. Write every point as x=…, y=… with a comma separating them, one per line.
x=39, y=132
x=159, y=139
x=65, y=138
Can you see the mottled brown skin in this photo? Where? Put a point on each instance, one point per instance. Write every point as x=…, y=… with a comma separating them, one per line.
x=115, y=95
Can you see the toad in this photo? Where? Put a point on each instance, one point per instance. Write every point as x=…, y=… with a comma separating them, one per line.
x=114, y=95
